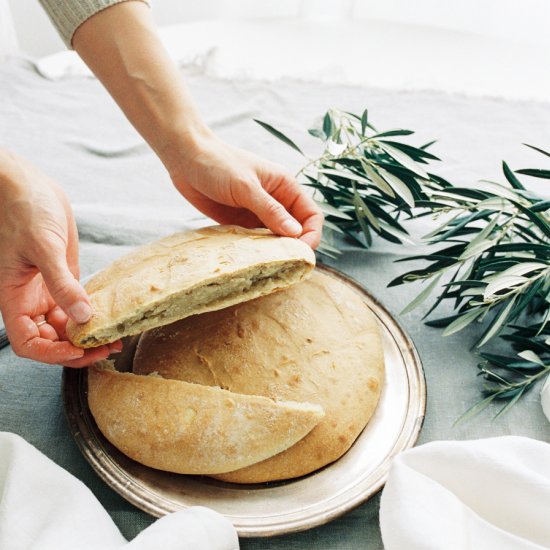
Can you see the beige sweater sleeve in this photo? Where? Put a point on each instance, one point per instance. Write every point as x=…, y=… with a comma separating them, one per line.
x=68, y=15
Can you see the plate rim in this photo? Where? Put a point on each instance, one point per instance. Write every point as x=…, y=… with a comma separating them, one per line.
x=119, y=480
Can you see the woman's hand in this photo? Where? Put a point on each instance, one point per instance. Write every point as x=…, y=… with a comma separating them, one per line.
x=121, y=46
x=39, y=286
x=233, y=186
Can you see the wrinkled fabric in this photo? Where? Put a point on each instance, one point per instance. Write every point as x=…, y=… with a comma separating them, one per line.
x=42, y=507
x=491, y=494
x=122, y=197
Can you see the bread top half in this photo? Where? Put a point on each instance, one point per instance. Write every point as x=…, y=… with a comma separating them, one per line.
x=188, y=273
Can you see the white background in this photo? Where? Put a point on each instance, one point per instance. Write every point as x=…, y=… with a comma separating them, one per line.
x=519, y=20
x=482, y=47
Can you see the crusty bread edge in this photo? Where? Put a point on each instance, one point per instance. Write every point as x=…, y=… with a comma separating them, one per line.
x=84, y=335
x=257, y=426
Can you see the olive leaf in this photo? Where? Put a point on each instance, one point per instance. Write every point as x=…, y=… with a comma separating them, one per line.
x=492, y=258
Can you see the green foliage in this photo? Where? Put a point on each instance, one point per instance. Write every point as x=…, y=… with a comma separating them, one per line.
x=507, y=378
x=491, y=258
x=365, y=181
x=494, y=251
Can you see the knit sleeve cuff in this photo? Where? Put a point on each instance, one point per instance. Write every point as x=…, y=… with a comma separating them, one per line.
x=67, y=16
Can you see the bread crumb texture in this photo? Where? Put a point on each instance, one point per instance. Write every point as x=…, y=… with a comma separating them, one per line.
x=186, y=274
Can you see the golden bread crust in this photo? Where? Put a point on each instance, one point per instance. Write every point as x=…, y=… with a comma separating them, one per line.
x=315, y=342
x=191, y=429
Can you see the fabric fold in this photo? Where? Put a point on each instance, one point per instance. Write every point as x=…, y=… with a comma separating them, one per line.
x=485, y=494
x=43, y=507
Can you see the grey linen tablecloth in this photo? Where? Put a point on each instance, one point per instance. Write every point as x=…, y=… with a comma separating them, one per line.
x=122, y=197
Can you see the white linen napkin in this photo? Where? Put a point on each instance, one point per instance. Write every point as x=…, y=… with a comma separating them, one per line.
x=43, y=507
x=545, y=398
x=490, y=494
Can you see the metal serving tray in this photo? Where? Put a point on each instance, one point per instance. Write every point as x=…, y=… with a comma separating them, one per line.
x=281, y=507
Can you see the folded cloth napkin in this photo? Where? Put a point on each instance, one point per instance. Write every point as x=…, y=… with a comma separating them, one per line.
x=43, y=507
x=490, y=494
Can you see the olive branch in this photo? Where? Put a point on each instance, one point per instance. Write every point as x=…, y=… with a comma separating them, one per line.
x=492, y=243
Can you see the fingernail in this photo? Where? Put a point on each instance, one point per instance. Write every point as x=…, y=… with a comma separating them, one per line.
x=115, y=346
x=80, y=312
x=114, y=349
x=76, y=355
x=291, y=227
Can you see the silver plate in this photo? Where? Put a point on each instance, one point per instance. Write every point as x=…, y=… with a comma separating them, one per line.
x=283, y=507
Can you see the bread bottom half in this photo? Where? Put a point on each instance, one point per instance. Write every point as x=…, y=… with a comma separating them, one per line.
x=192, y=429
x=316, y=342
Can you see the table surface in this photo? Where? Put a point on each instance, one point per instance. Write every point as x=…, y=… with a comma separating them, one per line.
x=122, y=197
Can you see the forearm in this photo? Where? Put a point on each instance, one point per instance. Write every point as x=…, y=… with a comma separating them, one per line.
x=9, y=192
x=21, y=194
x=12, y=177
x=122, y=48
x=19, y=187
x=8, y=166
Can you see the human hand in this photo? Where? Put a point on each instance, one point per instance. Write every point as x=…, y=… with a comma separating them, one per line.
x=39, y=286
x=233, y=186
x=123, y=49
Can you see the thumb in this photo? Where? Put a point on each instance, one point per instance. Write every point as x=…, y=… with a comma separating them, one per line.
x=65, y=290
x=273, y=214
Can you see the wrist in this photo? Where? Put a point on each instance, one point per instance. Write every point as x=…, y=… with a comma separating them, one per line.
x=183, y=144
x=11, y=176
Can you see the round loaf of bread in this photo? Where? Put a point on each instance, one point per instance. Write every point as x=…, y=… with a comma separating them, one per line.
x=185, y=274
x=316, y=342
